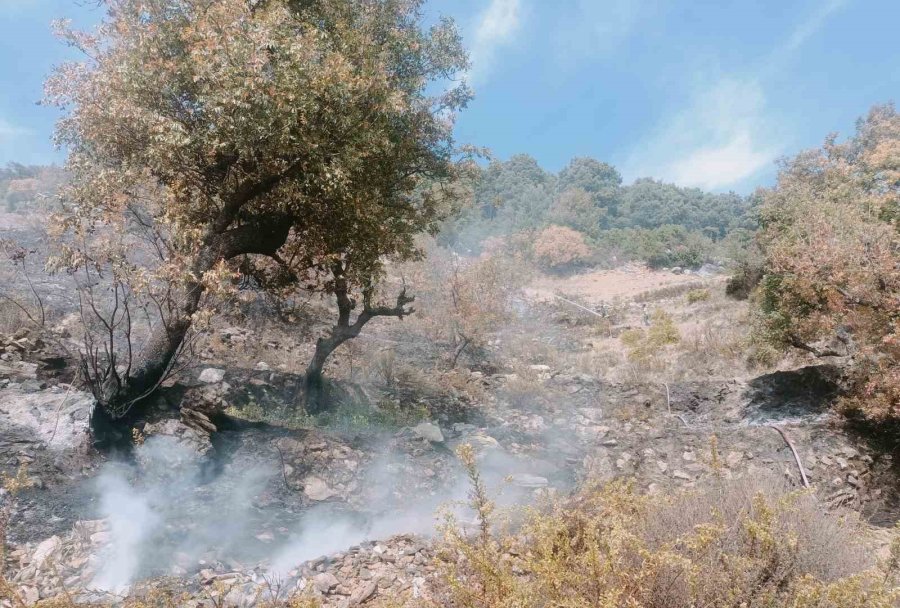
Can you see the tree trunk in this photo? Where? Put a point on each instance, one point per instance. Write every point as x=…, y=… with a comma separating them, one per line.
x=119, y=399
x=463, y=343
x=313, y=396
x=314, y=383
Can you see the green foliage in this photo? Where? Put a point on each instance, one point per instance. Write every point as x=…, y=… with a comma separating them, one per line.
x=831, y=263
x=576, y=209
x=665, y=246
x=645, y=345
x=677, y=226
x=697, y=295
x=279, y=140
x=600, y=181
x=652, y=204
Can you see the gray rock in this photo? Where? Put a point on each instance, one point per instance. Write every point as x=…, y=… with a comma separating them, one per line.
x=45, y=550
x=211, y=375
x=524, y=480
x=429, y=431
x=362, y=593
x=316, y=489
x=325, y=582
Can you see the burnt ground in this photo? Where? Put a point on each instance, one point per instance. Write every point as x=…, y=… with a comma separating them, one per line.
x=536, y=429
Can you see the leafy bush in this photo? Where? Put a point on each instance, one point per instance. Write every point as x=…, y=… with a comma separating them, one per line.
x=661, y=247
x=832, y=254
x=697, y=295
x=742, y=543
x=645, y=345
x=461, y=301
x=558, y=247
x=744, y=280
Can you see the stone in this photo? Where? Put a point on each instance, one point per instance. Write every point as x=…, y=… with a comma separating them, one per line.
x=362, y=593
x=594, y=414
x=679, y=474
x=44, y=550
x=325, y=582
x=429, y=431
x=524, y=480
x=212, y=375
x=262, y=366
x=316, y=489
x=29, y=595
x=188, y=437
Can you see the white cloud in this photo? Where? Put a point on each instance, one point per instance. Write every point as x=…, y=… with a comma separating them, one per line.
x=721, y=138
x=721, y=166
x=725, y=134
x=496, y=27
x=807, y=28
x=591, y=28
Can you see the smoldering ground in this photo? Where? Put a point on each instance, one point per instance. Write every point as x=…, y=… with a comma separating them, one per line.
x=167, y=515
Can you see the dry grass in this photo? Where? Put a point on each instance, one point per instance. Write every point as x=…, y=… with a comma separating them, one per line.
x=670, y=292
x=741, y=543
x=12, y=318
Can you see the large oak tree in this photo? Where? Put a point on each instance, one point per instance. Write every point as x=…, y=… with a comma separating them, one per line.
x=290, y=139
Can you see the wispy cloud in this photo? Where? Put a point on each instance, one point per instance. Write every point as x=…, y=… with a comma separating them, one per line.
x=495, y=28
x=725, y=133
x=594, y=29
x=722, y=137
x=807, y=28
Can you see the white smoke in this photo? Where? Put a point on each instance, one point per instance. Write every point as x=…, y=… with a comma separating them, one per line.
x=164, y=519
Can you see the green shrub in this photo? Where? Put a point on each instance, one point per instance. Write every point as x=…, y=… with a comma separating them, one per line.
x=697, y=295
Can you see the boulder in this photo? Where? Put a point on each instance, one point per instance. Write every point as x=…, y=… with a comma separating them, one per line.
x=429, y=431
x=45, y=550
x=187, y=437
x=212, y=375
x=316, y=489
x=325, y=582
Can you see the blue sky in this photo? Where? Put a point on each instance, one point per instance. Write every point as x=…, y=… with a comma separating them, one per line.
x=703, y=93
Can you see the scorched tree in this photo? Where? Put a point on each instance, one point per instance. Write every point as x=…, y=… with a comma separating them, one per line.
x=285, y=139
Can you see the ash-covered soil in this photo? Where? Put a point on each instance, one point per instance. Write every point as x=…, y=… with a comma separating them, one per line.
x=347, y=511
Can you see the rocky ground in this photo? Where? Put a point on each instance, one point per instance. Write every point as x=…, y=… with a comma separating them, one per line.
x=347, y=514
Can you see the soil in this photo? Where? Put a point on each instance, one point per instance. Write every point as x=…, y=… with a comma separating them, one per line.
x=279, y=482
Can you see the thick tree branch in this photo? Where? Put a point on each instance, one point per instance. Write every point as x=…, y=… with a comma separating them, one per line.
x=818, y=352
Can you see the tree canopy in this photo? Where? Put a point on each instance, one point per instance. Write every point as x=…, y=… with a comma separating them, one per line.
x=832, y=267
x=587, y=195
x=283, y=135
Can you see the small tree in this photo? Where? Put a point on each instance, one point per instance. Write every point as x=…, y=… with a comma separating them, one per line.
x=465, y=300
x=265, y=137
x=558, y=247
x=576, y=209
